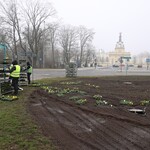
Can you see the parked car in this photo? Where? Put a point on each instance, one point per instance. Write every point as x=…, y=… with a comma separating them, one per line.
x=130, y=65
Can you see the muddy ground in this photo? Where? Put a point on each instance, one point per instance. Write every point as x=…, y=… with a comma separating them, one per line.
x=108, y=125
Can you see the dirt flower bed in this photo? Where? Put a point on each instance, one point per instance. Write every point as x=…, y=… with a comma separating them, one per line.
x=94, y=113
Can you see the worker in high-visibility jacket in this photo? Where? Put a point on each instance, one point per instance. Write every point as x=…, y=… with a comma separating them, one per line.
x=29, y=72
x=14, y=75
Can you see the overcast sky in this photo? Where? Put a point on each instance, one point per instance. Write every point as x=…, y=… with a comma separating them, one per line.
x=108, y=18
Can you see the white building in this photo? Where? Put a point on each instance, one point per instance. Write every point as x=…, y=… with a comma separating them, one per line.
x=119, y=52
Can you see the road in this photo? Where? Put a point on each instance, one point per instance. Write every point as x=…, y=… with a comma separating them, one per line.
x=52, y=73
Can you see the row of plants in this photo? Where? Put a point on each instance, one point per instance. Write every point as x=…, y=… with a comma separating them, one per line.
x=8, y=97
x=78, y=82
x=61, y=92
x=99, y=101
x=129, y=102
x=70, y=83
x=78, y=100
x=92, y=85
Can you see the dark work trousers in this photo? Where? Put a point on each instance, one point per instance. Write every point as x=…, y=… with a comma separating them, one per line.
x=15, y=84
x=28, y=77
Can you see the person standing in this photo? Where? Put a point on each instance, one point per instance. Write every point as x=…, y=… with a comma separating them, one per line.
x=29, y=72
x=14, y=75
x=95, y=63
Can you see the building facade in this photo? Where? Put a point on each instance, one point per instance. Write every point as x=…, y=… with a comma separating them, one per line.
x=114, y=56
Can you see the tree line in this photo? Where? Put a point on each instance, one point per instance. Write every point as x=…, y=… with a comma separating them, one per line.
x=33, y=30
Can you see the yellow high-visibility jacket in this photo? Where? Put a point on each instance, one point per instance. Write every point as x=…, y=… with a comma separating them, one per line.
x=16, y=73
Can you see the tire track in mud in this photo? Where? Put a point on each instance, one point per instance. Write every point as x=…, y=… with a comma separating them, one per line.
x=49, y=127
x=96, y=134
x=114, y=136
x=125, y=138
x=90, y=130
x=58, y=114
x=133, y=135
x=80, y=127
x=111, y=133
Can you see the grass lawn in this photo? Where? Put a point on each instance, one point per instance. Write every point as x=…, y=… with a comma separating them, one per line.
x=17, y=129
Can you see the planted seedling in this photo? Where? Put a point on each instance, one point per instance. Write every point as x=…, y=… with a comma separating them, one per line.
x=81, y=102
x=126, y=102
x=70, y=83
x=60, y=94
x=95, y=86
x=97, y=97
x=50, y=91
x=82, y=92
x=8, y=98
x=101, y=102
x=144, y=102
x=74, y=98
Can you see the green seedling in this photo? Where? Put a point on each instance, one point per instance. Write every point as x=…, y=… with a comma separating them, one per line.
x=74, y=98
x=8, y=98
x=82, y=92
x=97, y=97
x=144, y=102
x=126, y=102
x=50, y=91
x=95, y=86
x=81, y=102
x=70, y=83
x=101, y=102
x=60, y=94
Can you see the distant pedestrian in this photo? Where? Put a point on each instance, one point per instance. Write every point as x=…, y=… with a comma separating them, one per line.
x=95, y=64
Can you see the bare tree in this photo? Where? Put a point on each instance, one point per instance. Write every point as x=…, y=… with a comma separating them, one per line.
x=29, y=33
x=10, y=20
x=68, y=39
x=85, y=36
x=36, y=15
x=52, y=39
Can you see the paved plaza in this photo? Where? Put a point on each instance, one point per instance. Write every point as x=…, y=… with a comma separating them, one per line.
x=90, y=71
